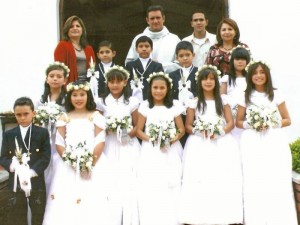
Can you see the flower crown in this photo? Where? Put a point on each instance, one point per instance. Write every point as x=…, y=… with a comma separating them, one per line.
x=241, y=46
x=204, y=67
x=254, y=62
x=119, y=68
x=71, y=86
x=61, y=64
x=165, y=75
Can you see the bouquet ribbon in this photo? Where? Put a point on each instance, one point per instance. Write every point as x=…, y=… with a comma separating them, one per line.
x=93, y=82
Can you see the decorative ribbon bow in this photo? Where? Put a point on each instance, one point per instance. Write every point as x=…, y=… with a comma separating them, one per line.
x=94, y=75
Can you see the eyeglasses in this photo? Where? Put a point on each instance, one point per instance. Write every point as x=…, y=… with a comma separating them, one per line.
x=200, y=19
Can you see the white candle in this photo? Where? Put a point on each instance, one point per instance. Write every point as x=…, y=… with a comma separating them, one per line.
x=17, y=145
x=92, y=63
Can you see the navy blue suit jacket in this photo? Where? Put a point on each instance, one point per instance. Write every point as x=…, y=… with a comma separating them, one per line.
x=139, y=70
x=40, y=153
x=176, y=76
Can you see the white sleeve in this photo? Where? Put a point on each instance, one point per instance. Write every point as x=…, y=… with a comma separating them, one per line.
x=178, y=108
x=143, y=108
x=278, y=97
x=134, y=104
x=193, y=103
x=99, y=104
x=99, y=120
x=224, y=79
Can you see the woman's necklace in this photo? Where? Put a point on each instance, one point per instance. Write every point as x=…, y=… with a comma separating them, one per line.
x=227, y=49
x=77, y=47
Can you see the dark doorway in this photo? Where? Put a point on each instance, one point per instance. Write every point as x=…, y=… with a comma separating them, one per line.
x=119, y=21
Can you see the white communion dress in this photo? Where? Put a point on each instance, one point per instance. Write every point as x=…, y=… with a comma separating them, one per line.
x=76, y=200
x=267, y=171
x=212, y=177
x=159, y=172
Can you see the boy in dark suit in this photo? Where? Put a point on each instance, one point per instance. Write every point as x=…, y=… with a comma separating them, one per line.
x=144, y=65
x=184, y=83
x=29, y=188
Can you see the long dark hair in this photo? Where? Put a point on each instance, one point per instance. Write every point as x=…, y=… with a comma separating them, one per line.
x=237, y=53
x=269, y=89
x=90, y=104
x=168, y=100
x=115, y=74
x=61, y=98
x=201, y=105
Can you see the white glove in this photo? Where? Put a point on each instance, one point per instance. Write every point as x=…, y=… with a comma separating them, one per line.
x=24, y=174
x=246, y=125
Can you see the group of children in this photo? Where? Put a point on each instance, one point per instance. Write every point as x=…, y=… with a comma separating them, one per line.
x=233, y=176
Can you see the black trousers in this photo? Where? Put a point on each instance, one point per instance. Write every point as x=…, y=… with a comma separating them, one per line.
x=17, y=208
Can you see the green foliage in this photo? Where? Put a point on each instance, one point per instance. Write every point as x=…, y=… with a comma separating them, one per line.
x=295, y=149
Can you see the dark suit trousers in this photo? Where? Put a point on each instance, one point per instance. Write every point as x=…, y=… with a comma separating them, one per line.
x=17, y=208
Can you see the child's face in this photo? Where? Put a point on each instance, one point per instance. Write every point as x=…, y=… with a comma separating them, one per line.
x=159, y=90
x=144, y=49
x=24, y=115
x=116, y=87
x=239, y=64
x=185, y=57
x=79, y=99
x=56, y=79
x=259, y=77
x=105, y=54
x=209, y=83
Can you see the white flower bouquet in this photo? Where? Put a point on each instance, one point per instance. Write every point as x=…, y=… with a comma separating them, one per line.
x=123, y=123
x=162, y=134
x=209, y=126
x=79, y=157
x=47, y=113
x=261, y=118
x=234, y=111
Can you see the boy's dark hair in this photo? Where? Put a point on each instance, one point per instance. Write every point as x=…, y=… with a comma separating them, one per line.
x=24, y=101
x=106, y=43
x=198, y=11
x=168, y=100
x=90, y=104
x=155, y=8
x=144, y=38
x=115, y=74
x=237, y=53
x=184, y=45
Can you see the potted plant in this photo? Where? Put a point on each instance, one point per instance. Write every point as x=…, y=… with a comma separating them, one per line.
x=295, y=150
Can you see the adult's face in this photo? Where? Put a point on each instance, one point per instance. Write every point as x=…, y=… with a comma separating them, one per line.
x=199, y=22
x=155, y=21
x=227, y=32
x=75, y=30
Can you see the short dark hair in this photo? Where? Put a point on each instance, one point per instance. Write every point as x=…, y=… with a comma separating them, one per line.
x=155, y=8
x=24, y=101
x=144, y=38
x=198, y=11
x=184, y=45
x=106, y=43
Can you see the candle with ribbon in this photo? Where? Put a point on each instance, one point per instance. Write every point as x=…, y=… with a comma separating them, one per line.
x=92, y=65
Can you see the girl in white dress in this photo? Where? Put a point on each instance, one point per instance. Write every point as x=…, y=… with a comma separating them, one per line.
x=54, y=92
x=234, y=83
x=212, y=176
x=160, y=168
x=266, y=156
x=121, y=146
x=79, y=197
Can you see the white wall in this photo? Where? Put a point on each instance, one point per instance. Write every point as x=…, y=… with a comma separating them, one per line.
x=30, y=33
x=271, y=29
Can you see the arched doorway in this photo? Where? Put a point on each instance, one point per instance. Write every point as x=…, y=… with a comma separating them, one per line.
x=120, y=21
